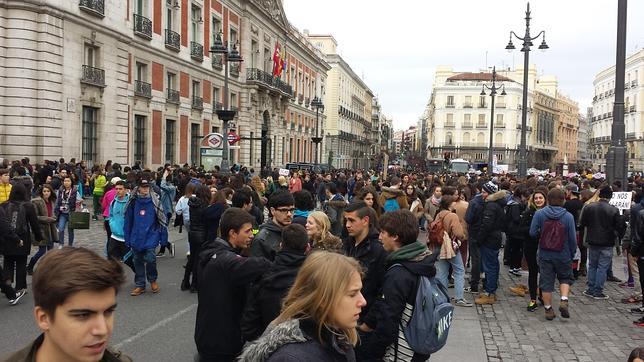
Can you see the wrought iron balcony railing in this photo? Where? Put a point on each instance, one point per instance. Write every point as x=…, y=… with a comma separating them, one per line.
x=142, y=26
x=172, y=40
x=142, y=89
x=267, y=80
x=93, y=76
x=197, y=103
x=196, y=51
x=217, y=106
x=94, y=7
x=235, y=68
x=217, y=61
x=173, y=96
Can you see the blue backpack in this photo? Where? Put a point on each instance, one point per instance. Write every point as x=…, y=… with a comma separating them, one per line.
x=391, y=205
x=428, y=328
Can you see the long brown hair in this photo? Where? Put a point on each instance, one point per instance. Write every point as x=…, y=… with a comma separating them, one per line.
x=322, y=280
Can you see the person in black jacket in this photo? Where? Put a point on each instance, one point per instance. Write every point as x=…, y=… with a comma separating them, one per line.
x=515, y=237
x=224, y=277
x=282, y=206
x=197, y=235
x=364, y=245
x=489, y=239
x=7, y=239
x=603, y=225
x=383, y=337
x=637, y=251
x=265, y=301
x=473, y=217
x=21, y=215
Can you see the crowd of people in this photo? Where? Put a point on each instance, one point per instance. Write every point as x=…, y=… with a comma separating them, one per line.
x=328, y=265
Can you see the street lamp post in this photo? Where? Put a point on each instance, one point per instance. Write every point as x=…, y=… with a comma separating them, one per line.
x=616, y=161
x=493, y=90
x=317, y=104
x=527, y=43
x=225, y=115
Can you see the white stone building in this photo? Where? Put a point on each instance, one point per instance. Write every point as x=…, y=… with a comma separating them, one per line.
x=602, y=113
x=134, y=80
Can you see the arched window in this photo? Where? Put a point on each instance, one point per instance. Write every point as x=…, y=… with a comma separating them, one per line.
x=498, y=139
x=449, y=139
x=480, y=138
x=466, y=138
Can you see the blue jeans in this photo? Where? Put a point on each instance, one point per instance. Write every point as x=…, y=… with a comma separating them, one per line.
x=41, y=251
x=442, y=272
x=490, y=265
x=599, y=260
x=145, y=265
x=63, y=220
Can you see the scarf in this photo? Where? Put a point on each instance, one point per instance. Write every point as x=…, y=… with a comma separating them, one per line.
x=435, y=201
x=408, y=252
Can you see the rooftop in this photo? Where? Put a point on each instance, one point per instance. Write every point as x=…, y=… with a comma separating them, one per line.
x=485, y=77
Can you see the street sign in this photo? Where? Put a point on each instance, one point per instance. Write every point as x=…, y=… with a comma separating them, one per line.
x=233, y=138
x=621, y=200
x=215, y=140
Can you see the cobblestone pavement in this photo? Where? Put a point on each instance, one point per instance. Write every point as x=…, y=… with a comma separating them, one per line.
x=598, y=330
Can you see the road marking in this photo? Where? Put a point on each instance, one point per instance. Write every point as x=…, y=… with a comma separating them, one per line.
x=155, y=326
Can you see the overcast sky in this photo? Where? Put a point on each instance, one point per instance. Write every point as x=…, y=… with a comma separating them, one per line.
x=397, y=45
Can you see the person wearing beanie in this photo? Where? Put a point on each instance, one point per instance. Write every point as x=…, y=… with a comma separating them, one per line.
x=603, y=225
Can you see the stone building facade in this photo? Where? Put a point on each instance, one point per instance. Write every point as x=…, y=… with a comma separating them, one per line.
x=135, y=81
x=602, y=113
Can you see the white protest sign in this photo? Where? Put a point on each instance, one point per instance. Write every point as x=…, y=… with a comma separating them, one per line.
x=283, y=172
x=621, y=200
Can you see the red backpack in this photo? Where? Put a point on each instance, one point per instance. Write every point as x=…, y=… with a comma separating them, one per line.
x=553, y=235
x=435, y=233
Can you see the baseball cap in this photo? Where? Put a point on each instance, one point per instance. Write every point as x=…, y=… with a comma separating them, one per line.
x=144, y=182
x=115, y=179
x=573, y=188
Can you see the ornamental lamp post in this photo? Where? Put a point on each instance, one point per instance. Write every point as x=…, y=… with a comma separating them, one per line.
x=317, y=104
x=527, y=43
x=225, y=115
x=492, y=90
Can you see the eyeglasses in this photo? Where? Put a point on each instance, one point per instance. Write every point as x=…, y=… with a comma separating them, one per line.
x=291, y=210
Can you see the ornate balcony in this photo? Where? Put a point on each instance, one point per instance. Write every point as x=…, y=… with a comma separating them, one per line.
x=631, y=136
x=217, y=106
x=142, y=26
x=197, y=103
x=450, y=124
x=481, y=125
x=172, y=96
x=467, y=125
x=93, y=76
x=217, y=61
x=499, y=124
x=235, y=68
x=500, y=105
x=142, y=89
x=196, y=51
x=172, y=40
x=268, y=81
x=467, y=105
x=94, y=7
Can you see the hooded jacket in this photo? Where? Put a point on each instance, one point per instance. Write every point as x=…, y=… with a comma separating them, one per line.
x=566, y=218
x=372, y=257
x=198, y=231
x=117, y=217
x=296, y=340
x=212, y=215
x=24, y=232
x=143, y=227
x=603, y=223
x=395, y=303
x=265, y=300
x=492, y=222
x=334, y=210
x=473, y=217
x=267, y=240
x=387, y=193
x=513, y=220
x=223, y=281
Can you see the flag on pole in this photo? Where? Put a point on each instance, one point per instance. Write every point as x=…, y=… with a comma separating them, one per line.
x=277, y=67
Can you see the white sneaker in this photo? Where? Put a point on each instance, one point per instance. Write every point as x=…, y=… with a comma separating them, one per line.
x=19, y=294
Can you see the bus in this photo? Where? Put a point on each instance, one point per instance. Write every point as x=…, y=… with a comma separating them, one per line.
x=435, y=165
x=459, y=165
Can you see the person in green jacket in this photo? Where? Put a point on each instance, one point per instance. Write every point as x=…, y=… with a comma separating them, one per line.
x=99, y=190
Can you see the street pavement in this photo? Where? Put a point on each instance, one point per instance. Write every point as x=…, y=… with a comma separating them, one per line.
x=159, y=327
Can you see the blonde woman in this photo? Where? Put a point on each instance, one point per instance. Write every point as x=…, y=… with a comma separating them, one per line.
x=318, y=228
x=319, y=316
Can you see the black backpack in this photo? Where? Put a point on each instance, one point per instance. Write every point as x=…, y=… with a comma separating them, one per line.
x=16, y=216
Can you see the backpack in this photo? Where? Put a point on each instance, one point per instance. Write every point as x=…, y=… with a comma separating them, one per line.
x=391, y=205
x=436, y=232
x=553, y=235
x=16, y=216
x=427, y=330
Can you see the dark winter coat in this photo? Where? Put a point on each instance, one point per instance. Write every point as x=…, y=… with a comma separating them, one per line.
x=603, y=224
x=198, y=230
x=491, y=224
x=473, y=217
x=7, y=236
x=267, y=240
x=637, y=244
x=23, y=233
x=397, y=297
x=223, y=281
x=265, y=300
x=513, y=220
x=372, y=258
x=334, y=209
x=212, y=215
x=296, y=340
x=47, y=223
